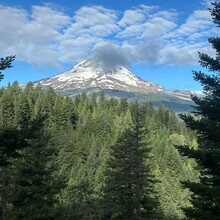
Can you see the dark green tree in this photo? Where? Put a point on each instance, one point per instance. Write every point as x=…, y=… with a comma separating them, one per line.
x=129, y=184
x=12, y=138
x=206, y=121
x=5, y=63
x=33, y=187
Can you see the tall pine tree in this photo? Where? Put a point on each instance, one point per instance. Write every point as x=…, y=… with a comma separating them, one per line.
x=206, y=121
x=129, y=184
x=32, y=182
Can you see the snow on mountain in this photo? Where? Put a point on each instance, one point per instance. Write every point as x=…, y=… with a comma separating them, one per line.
x=86, y=75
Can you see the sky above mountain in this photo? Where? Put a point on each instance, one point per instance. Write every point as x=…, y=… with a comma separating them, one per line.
x=156, y=40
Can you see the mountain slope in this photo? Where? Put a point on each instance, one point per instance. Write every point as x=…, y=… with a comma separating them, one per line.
x=86, y=75
x=119, y=82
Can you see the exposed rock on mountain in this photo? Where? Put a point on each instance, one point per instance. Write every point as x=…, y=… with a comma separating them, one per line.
x=119, y=82
x=86, y=75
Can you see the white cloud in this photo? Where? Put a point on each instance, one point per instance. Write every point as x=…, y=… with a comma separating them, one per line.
x=76, y=48
x=134, y=31
x=46, y=36
x=172, y=55
x=157, y=27
x=31, y=37
x=198, y=21
x=131, y=17
x=94, y=20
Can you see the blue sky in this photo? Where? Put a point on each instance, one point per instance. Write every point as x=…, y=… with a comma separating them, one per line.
x=157, y=40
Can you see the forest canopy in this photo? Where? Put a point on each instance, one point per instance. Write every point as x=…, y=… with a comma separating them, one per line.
x=78, y=159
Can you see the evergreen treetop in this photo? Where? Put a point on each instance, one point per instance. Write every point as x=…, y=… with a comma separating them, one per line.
x=5, y=63
x=206, y=122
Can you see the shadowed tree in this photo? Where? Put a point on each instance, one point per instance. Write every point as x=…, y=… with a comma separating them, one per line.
x=206, y=121
x=5, y=63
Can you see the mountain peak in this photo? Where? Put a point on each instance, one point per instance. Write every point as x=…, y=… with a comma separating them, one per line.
x=88, y=74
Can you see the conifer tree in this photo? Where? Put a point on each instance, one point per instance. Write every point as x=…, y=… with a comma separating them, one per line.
x=128, y=186
x=206, y=121
x=5, y=63
x=12, y=139
x=32, y=186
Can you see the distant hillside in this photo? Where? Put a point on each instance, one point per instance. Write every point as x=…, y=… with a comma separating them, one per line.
x=170, y=101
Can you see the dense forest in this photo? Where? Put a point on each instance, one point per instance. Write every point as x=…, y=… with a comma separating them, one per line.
x=91, y=158
x=98, y=158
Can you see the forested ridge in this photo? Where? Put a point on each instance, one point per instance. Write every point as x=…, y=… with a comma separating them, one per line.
x=91, y=158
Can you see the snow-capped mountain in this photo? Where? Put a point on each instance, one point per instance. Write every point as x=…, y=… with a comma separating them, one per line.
x=118, y=83
x=86, y=75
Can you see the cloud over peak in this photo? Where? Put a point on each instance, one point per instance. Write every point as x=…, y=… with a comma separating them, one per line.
x=109, y=56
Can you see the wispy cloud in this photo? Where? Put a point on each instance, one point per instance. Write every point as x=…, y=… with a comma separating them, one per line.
x=34, y=36
x=93, y=20
x=46, y=36
x=136, y=15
